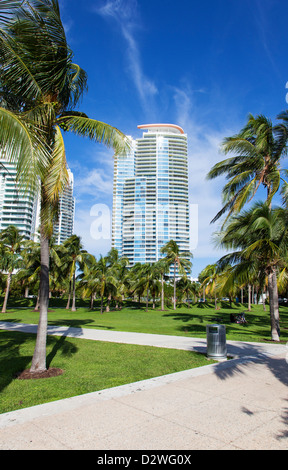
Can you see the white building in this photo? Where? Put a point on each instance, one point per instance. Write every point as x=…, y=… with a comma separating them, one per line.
x=150, y=195
x=22, y=208
x=64, y=228
x=17, y=207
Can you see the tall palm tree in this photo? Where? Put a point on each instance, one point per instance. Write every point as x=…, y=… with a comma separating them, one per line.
x=74, y=257
x=31, y=266
x=209, y=280
x=40, y=81
x=118, y=267
x=105, y=278
x=146, y=280
x=162, y=266
x=257, y=151
x=260, y=237
x=180, y=260
x=187, y=288
x=11, y=243
x=88, y=281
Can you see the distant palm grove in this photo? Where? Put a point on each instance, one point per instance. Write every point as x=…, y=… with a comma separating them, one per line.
x=41, y=88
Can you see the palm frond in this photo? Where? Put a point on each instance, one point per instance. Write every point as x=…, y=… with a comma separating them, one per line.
x=95, y=130
x=20, y=145
x=57, y=177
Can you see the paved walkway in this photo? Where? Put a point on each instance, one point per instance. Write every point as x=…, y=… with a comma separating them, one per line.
x=236, y=404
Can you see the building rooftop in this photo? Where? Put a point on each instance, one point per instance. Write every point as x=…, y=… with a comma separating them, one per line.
x=160, y=128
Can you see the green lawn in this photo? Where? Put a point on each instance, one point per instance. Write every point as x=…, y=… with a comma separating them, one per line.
x=90, y=366
x=184, y=321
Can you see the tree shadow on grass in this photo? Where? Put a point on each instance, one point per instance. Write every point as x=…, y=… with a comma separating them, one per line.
x=73, y=325
x=12, y=362
x=63, y=345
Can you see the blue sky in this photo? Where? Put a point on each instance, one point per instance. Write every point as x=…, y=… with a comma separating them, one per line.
x=202, y=65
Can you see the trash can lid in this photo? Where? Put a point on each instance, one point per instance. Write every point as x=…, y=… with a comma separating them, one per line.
x=214, y=327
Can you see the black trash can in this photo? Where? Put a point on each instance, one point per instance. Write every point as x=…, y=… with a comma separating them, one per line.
x=216, y=342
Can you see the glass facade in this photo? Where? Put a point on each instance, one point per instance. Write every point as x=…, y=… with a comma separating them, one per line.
x=22, y=209
x=64, y=228
x=17, y=207
x=150, y=198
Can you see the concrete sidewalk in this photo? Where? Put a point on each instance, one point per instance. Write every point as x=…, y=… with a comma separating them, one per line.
x=236, y=404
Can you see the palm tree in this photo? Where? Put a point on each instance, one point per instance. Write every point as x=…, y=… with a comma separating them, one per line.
x=162, y=266
x=74, y=257
x=105, y=278
x=259, y=147
x=180, y=260
x=31, y=265
x=209, y=280
x=134, y=287
x=11, y=243
x=145, y=281
x=118, y=267
x=187, y=288
x=260, y=238
x=40, y=81
x=88, y=281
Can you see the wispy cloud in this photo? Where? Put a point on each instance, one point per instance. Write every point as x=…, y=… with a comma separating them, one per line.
x=204, y=143
x=124, y=12
x=96, y=182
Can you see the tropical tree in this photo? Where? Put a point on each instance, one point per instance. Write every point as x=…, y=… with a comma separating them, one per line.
x=40, y=82
x=118, y=266
x=260, y=236
x=187, y=288
x=31, y=266
x=134, y=287
x=11, y=243
x=180, y=261
x=209, y=280
x=162, y=266
x=88, y=280
x=105, y=278
x=74, y=257
x=146, y=281
x=257, y=151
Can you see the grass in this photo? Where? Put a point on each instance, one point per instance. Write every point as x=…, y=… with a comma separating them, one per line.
x=182, y=322
x=90, y=366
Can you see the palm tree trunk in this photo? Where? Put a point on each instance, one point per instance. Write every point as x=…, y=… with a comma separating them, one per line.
x=39, y=357
x=147, y=299
x=101, y=303
x=249, y=297
x=264, y=299
x=162, y=293
x=108, y=303
x=174, y=300
x=274, y=306
x=37, y=302
x=69, y=297
x=73, y=309
x=9, y=275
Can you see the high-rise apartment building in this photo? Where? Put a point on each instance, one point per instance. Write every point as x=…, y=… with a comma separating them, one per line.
x=22, y=208
x=17, y=207
x=64, y=228
x=150, y=195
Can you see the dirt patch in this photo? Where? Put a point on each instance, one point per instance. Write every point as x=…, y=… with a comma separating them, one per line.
x=46, y=374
